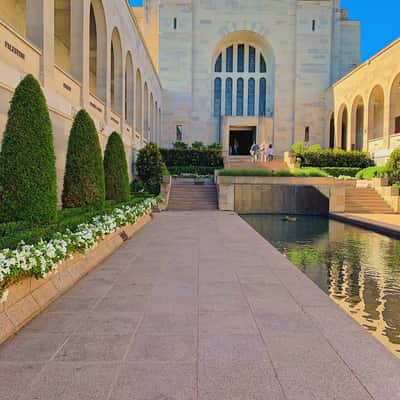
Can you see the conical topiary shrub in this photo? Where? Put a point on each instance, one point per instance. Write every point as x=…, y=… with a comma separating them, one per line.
x=116, y=170
x=84, y=174
x=28, y=182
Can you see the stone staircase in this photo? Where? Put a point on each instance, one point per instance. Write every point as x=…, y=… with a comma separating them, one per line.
x=365, y=200
x=246, y=162
x=186, y=195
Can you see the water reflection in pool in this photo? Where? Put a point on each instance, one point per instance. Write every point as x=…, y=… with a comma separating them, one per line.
x=359, y=269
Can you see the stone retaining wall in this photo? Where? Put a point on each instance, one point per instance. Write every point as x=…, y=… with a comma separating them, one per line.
x=28, y=297
x=275, y=195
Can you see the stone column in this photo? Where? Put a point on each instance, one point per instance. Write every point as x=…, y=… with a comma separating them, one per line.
x=80, y=46
x=366, y=126
x=386, y=122
x=40, y=30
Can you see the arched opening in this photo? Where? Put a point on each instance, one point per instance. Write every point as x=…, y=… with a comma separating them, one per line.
x=159, y=125
x=342, y=127
x=394, y=126
x=243, y=63
x=62, y=34
x=116, y=72
x=156, y=122
x=376, y=107
x=146, y=111
x=357, y=134
x=98, y=51
x=13, y=13
x=152, y=136
x=139, y=102
x=129, y=90
x=332, y=131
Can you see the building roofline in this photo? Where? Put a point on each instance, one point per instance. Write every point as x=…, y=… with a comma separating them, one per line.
x=132, y=14
x=368, y=62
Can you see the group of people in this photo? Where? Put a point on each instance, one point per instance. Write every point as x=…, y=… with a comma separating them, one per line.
x=263, y=153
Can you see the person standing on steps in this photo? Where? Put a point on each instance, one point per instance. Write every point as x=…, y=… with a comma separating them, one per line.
x=270, y=153
x=254, y=150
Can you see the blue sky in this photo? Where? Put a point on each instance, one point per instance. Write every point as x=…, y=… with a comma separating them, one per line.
x=380, y=22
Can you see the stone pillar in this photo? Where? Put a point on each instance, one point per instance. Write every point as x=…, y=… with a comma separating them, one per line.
x=386, y=122
x=366, y=126
x=80, y=46
x=40, y=30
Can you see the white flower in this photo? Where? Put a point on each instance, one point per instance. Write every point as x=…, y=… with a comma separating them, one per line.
x=3, y=296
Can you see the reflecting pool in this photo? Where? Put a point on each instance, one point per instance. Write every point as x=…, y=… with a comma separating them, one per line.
x=359, y=269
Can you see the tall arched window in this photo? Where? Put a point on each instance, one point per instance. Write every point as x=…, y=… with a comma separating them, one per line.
x=240, y=72
x=239, y=96
x=139, y=103
x=263, y=97
x=228, y=96
x=251, y=97
x=229, y=59
x=218, y=64
x=217, y=97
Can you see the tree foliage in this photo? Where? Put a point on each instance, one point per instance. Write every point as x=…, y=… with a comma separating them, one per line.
x=116, y=170
x=28, y=182
x=84, y=184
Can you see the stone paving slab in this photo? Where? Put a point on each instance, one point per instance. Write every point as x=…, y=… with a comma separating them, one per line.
x=196, y=306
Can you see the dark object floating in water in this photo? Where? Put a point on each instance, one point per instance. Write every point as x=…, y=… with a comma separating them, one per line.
x=290, y=219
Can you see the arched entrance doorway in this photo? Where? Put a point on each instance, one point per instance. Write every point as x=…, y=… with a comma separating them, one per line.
x=332, y=131
x=376, y=107
x=358, y=123
x=342, y=126
x=395, y=107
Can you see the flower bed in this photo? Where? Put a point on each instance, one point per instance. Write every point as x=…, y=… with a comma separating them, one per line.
x=40, y=259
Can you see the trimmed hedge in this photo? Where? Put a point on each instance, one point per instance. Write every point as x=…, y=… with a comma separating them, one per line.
x=335, y=158
x=116, y=170
x=84, y=184
x=192, y=157
x=28, y=179
x=149, y=164
x=299, y=172
x=341, y=171
x=371, y=172
x=194, y=170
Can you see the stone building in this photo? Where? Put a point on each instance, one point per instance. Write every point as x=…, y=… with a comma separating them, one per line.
x=364, y=106
x=87, y=54
x=239, y=70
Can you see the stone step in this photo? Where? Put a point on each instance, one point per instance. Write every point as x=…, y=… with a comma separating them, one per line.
x=365, y=201
x=193, y=197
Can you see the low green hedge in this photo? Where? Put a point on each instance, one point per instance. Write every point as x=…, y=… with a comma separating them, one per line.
x=299, y=172
x=371, y=172
x=12, y=233
x=341, y=171
x=192, y=157
x=335, y=158
x=193, y=170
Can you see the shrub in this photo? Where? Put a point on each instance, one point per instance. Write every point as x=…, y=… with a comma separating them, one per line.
x=393, y=167
x=315, y=147
x=188, y=158
x=180, y=146
x=341, y=171
x=84, y=184
x=149, y=163
x=299, y=148
x=371, y=172
x=116, y=170
x=335, y=158
x=28, y=181
x=215, y=146
x=198, y=146
x=145, y=188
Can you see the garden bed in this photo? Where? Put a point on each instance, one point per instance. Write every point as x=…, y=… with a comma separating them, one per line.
x=32, y=277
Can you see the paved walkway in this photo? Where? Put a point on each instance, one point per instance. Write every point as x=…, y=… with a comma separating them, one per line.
x=196, y=306
x=384, y=223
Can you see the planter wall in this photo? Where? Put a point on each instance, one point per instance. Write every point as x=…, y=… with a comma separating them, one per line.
x=28, y=297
